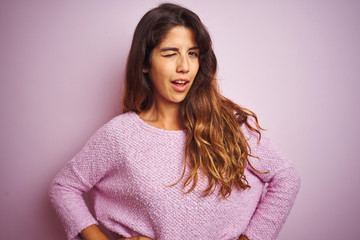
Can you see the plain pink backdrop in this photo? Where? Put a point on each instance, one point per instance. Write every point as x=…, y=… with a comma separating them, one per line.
x=295, y=63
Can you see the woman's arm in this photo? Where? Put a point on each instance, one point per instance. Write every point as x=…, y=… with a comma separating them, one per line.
x=283, y=185
x=79, y=175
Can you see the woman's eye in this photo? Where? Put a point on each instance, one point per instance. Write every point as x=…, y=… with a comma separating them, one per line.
x=194, y=54
x=170, y=55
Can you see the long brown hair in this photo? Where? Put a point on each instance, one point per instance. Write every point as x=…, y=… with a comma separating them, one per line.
x=215, y=142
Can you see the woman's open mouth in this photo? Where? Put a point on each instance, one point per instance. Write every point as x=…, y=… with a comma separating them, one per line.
x=180, y=85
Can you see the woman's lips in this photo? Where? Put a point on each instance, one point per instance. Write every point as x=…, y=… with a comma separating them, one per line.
x=180, y=85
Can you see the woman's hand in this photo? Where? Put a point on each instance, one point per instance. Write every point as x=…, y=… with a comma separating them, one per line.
x=93, y=232
x=243, y=237
x=136, y=238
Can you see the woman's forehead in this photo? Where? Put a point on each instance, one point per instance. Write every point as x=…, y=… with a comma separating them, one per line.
x=179, y=36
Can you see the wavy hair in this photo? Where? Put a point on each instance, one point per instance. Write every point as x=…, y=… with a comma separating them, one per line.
x=215, y=143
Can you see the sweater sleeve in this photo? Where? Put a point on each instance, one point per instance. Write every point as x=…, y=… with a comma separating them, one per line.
x=79, y=175
x=283, y=185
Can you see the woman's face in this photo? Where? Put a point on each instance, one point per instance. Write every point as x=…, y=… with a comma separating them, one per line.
x=174, y=65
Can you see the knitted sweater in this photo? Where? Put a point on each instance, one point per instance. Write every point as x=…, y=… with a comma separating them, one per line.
x=130, y=165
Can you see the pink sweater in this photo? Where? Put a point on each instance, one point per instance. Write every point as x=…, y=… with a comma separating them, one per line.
x=129, y=166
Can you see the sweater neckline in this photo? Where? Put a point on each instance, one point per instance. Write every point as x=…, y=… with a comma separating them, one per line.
x=147, y=126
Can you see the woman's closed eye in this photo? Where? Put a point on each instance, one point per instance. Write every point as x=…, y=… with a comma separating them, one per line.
x=169, y=55
x=192, y=54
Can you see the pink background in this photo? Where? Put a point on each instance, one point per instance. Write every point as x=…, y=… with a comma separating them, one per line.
x=295, y=63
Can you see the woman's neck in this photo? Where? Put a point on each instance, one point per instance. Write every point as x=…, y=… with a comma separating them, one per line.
x=164, y=117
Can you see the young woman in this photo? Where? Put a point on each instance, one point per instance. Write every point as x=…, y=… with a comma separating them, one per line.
x=182, y=161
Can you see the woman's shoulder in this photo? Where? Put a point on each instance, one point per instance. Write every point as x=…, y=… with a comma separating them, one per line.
x=119, y=126
x=253, y=135
x=122, y=120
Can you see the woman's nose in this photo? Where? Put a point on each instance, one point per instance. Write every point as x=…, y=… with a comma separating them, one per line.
x=183, y=65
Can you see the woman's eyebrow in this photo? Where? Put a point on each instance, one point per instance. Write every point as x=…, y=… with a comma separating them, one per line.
x=194, y=48
x=175, y=49
x=169, y=49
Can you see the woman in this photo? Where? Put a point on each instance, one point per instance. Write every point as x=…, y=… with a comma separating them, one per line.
x=182, y=161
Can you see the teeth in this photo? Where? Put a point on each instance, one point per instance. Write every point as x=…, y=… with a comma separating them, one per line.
x=182, y=82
